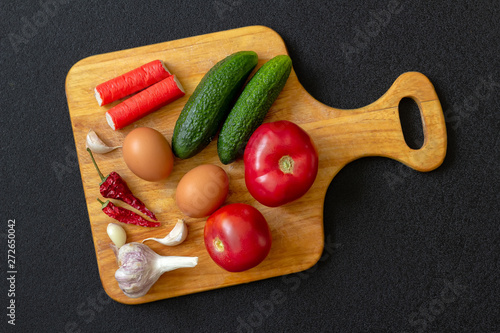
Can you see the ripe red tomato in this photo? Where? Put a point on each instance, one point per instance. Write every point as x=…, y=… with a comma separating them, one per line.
x=237, y=237
x=281, y=163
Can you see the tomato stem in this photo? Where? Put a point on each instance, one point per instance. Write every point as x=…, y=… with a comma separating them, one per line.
x=219, y=246
x=286, y=164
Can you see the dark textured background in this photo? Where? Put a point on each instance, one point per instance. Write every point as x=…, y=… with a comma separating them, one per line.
x=405, y=251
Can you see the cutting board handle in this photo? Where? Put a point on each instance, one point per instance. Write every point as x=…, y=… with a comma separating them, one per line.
x=375, y=130
x=433, y=151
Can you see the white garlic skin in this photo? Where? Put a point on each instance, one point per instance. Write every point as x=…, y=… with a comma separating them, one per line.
x=117, y=234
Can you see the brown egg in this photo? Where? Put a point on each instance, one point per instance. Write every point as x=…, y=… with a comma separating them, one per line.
x=202, y=190
x=148, y=154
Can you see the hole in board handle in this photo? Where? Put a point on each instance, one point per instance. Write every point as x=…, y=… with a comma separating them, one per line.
x=411, y=123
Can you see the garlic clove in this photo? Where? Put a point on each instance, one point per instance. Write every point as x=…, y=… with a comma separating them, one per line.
x=97, y=145
x=117, y=234
x=176, y=236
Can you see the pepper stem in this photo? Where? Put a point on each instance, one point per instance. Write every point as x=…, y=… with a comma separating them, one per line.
x=95, y=164
x=286, y=164
x=103, y=204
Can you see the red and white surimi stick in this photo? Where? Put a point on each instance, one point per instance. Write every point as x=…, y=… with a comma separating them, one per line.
x=131, y=82
x=145, y=102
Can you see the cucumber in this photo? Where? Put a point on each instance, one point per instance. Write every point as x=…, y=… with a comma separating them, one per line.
x=208, y=106
x=251, y=107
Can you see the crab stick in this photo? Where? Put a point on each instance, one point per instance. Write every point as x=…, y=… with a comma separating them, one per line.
x=131, y=82
x=145, y=102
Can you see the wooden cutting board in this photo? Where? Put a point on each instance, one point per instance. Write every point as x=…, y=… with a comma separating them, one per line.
x=341, y=136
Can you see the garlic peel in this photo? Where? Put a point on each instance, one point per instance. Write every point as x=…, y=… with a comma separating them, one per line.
x=176, y=236
x=97, y=145
x=141, y=267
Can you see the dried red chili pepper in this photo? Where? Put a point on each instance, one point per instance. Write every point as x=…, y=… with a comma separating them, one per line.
x=124, y=215
x=114, y=187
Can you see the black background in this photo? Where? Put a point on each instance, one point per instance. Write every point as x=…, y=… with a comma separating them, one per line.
x=405, y=251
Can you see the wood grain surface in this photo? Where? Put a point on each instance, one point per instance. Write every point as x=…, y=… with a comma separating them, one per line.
x=341, y=136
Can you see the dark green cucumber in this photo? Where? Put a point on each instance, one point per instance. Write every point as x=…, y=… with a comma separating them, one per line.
x=208, y=106
x=251, y=107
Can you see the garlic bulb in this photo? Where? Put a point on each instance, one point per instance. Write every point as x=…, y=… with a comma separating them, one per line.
x=176, y=236
x=117, y=234
x=141, y=267
x=97, y=145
